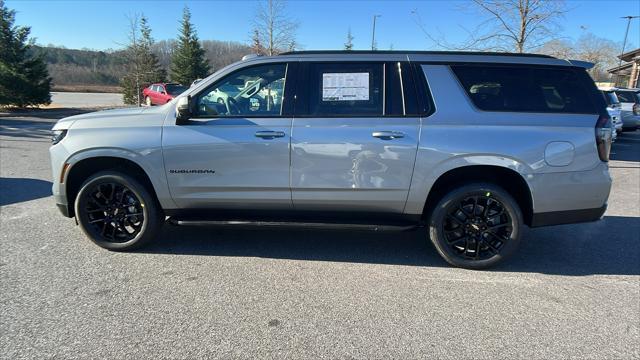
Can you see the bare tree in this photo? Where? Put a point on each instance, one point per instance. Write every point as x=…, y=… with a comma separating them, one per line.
x=519, y=24
x=272, y=29
x=508, y=25
x=599, y=51
x=349, y=44
x=560, y=48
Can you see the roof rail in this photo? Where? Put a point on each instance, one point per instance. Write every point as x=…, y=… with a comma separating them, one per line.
x=249, y=56
x=417, y=52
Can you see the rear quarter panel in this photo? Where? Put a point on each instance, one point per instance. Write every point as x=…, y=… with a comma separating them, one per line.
x=458, y=134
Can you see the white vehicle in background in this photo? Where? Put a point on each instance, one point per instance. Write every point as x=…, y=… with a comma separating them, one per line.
x=630, y=106
x=614, y=109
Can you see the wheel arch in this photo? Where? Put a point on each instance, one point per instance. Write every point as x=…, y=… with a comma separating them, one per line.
x=510, y=180
x=83, y=168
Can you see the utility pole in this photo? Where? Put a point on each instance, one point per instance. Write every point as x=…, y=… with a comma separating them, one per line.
x=624, y=43
x=373, y=35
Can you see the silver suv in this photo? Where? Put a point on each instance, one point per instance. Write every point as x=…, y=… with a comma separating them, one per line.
x=472, y=145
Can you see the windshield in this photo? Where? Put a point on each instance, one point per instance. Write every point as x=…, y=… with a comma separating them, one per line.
x=610, y=97
x=174, y=89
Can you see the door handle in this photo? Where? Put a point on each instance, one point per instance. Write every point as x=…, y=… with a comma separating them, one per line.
x=269, y=134
x=388, y=135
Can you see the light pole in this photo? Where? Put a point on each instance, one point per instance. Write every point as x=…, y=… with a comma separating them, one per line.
x=624, y=44
x=373, y=35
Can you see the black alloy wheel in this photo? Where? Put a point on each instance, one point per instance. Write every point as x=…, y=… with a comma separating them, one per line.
x=476, y=226
x=116, y=212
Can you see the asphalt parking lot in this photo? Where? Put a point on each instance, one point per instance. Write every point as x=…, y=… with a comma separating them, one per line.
x=571, y=291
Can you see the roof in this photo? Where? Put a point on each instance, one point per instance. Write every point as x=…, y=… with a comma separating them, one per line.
x=418, y=57
x=414, y=52
x=621, y=69
x=630, y=55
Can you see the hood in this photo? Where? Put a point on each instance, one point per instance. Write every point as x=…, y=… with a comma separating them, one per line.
x=66, y=123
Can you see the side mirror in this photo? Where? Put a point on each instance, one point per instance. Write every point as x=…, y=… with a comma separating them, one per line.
x=183, y=110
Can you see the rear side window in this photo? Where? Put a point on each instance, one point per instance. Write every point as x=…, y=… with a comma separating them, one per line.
x=346, y=89
x=526, y=89
x=627, y=96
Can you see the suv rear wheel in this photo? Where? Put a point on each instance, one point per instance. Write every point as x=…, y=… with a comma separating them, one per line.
x=476, y=226
x=116, y=212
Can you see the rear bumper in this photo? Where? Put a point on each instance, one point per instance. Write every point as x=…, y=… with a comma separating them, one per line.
x=567, y=217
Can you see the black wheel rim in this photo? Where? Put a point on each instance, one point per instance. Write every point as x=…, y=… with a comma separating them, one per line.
x=114, y=212
x=477, y=227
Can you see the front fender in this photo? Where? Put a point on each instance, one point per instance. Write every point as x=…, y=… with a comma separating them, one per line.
x=150, y=160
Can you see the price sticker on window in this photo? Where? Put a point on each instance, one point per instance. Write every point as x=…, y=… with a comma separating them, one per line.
x=345, y=86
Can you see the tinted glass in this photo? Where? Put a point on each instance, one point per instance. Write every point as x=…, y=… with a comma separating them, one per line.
x=346, y=89
x=525, y=89
x=254, y=91
x=174, y=89
x=626, y=96
x=610, y=97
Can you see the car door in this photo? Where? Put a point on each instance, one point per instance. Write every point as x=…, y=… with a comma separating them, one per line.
x=155, y=94
x=162, y=95
x=234, y=151
x=353, y=140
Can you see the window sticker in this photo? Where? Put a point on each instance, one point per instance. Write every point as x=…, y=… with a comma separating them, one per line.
x=345, y=86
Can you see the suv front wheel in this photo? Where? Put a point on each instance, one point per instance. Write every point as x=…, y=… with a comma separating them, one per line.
x=116, y=212
x=476, y=226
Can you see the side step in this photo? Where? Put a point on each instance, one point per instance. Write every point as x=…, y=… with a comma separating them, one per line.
x=305, y=225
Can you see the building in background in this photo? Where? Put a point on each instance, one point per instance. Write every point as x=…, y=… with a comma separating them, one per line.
x=626, y=75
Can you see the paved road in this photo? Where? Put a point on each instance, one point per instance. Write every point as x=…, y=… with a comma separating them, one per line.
x=571, y=292
x=85, y=100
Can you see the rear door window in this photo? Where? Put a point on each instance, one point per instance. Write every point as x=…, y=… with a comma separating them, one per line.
x=350, y=89
x=526, y=89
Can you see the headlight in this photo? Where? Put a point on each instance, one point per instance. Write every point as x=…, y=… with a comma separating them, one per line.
x=57, y=136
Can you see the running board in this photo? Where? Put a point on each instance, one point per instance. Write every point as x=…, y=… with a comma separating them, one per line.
x=305, y=225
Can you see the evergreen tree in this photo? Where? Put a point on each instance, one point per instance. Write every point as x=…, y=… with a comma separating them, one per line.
x=24, y=80
x=256, y=43
x=151, y=69
x=349, y=44
x=144, y=67
x=188, y=61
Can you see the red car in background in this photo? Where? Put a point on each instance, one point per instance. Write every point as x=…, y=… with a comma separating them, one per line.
x=161, y=93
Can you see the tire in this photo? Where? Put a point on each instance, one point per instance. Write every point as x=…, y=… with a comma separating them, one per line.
x=147, y=100
x=458, y=228
x=116, y=212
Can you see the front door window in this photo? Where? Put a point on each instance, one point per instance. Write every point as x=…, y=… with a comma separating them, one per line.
x=252, y=92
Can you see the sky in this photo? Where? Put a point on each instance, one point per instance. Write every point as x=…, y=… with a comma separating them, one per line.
x=102, y=25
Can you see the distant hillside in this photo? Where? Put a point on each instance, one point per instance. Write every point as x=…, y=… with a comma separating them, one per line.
x=91, y=70
x=83, y=69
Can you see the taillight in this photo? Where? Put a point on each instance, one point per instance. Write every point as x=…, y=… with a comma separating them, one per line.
x=636, y=109
x=603, y=137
